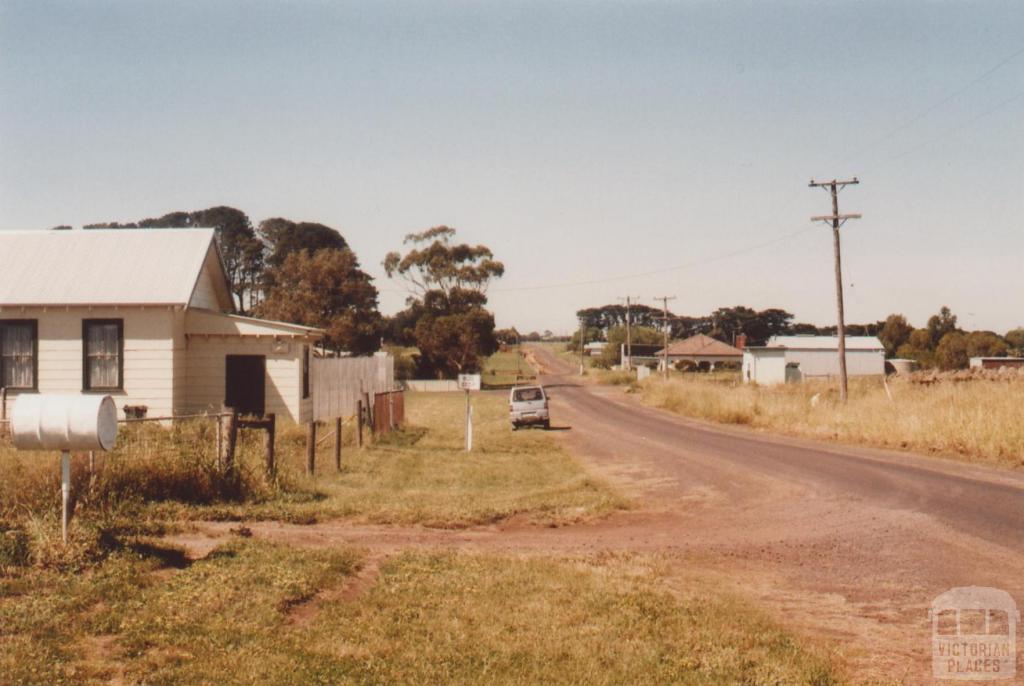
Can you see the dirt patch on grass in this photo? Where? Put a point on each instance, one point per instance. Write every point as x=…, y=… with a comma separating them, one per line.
x=354, y=586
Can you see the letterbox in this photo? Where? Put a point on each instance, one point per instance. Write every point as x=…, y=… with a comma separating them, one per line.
x=64, y=422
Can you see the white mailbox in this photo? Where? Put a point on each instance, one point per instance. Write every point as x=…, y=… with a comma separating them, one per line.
x=64, y=422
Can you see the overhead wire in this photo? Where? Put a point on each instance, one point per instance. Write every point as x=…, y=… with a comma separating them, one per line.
x=758, y=246
x=934, y=106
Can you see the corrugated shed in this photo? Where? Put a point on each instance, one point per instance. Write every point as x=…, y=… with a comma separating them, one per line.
x=825, y=343
x=102, y=266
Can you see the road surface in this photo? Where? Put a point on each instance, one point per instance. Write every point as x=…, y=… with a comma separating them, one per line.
x=843, y=542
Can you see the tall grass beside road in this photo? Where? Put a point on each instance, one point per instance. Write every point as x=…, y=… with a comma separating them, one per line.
x=975, y=420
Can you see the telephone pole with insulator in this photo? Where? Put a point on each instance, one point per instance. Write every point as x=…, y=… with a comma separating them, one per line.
x=837, y=220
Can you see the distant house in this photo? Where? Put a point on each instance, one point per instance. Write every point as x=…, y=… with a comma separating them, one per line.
x=145, y=316
x=594, y=348
x=792, y=358
x=638, y=354
x=996, y=362
x=701, y=348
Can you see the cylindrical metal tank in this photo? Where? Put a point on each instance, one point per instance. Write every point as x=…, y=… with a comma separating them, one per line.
x=899, y=366
x=64, y=422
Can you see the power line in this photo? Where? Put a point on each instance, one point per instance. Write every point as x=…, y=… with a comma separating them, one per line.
x=954, y=129
x=934, y=106
x=662, y=270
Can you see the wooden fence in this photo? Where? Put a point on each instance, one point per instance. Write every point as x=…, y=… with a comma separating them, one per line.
x=388, y=411
x=339, y=383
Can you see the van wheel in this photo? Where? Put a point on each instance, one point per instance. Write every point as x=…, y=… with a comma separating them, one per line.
x=547, y=424
x=515, y=427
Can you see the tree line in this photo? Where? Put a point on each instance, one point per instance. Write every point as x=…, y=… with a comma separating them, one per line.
x=940, y=343
x=306, y=273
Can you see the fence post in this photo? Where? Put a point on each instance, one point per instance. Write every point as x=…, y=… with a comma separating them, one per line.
x=268, y=444
x=391, y=410
x=369, y=411
x=337, y=443
x=229, y=436
x=311, y=448
x=3, y=410
x=359, y=423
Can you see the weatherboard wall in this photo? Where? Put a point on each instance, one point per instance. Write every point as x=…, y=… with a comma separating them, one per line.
x=149, y=352
x=205, y=373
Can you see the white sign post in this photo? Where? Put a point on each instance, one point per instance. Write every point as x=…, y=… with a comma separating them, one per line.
x=469, y=382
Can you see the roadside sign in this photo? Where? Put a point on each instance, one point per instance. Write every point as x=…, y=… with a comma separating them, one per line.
x=469, y=382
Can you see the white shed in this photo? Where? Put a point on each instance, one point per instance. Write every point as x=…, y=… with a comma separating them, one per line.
x=145, y=316
x=791, y=358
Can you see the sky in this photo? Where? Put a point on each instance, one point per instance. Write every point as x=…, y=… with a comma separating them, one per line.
x=600, y=149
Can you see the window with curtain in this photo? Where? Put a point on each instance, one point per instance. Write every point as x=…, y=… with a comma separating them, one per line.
x=103, y=353
x=18, y=346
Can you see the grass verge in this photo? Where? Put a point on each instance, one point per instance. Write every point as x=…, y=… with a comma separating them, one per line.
x=430, y=618
x=424, y=476
x=420, y=475
x=503, y=369
x=976, y=420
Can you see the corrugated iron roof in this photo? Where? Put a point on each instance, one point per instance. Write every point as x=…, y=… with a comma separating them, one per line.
x=825, y=343
x=701, y=345
x=101, y=266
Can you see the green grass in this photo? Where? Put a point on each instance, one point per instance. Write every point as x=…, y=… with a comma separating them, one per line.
x=424, y=476
x=431, y=617
x=506, y=369
x=157, y=481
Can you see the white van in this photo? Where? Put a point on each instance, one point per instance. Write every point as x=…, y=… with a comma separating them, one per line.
x=528, y=405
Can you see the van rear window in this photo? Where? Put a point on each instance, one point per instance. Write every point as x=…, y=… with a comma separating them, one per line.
x=527, y=395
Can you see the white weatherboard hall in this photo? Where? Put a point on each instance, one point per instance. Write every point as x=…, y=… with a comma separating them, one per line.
x=146, y=317
x=792, y=358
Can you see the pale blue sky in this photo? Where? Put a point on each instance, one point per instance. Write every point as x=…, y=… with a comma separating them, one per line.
x=580, y=140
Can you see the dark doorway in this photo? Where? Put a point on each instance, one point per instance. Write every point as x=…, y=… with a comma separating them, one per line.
x=245, y=383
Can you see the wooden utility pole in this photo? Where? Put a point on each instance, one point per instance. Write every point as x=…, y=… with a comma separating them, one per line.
x=664, y=329
x=583, y=336
x=837, y=220
x=627, y=359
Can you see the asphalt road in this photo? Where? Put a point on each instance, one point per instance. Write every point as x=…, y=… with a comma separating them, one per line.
x=846, y=541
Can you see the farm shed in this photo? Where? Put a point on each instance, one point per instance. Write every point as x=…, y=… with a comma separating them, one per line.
x=145, y=316
x=792, y=358
x=701, y=348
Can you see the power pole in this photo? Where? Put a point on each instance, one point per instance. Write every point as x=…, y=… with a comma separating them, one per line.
x=627, y=360
x=583, y=329
x=664, y=330
x=837, y=220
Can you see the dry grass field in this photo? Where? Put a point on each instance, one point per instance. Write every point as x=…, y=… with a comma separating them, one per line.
x=977, y=420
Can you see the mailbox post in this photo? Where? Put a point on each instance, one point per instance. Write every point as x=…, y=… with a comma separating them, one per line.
x=469, y=382
x=64, y=423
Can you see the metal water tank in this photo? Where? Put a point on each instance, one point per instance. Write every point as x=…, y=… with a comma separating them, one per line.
x=64, y=422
